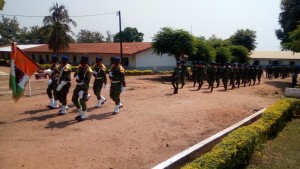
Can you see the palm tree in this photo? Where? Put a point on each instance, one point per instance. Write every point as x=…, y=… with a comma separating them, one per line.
x=56, y=27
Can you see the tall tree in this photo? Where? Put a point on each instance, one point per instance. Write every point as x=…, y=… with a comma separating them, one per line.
x=9, y=30
x=174, y=42
x=289, y=18
x=239, y=54
x=33, y=35
x=109, y=36
x=245, y=38
x=57, y=27
x=294, y=40
x=205, y=51
x=129, y=35
x=223, y=55
x=2, y=2
x=87, y=36
x=216, y=42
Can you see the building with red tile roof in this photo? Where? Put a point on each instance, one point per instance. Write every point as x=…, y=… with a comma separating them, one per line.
x=136, y=55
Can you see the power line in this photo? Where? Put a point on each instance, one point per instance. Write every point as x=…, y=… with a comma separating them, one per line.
x=75, y=16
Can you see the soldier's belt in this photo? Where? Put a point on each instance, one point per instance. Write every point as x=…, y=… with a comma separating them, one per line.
x=82, y=83
x=98, y=78
x=115, y=81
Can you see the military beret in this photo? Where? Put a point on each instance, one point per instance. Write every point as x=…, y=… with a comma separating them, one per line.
x=98, y=58
x=84, y=59
x=117, y=59
x=54, y=57
x=65, y=58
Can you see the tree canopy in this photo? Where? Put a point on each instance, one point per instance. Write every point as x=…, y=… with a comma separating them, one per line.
x=205, y=52
x=294, y=40
x=57, y=27
x=289, y=18
x=2, y=2
x=175, y=42
x=129, y=35
x=9, y=30
x=223, y=55
x=87, y=36
x=239, y=54
x=245, y=38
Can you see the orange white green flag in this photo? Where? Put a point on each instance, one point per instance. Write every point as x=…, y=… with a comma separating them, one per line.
x=21, y=68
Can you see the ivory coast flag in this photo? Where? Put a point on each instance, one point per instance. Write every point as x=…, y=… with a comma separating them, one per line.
x=21, y=68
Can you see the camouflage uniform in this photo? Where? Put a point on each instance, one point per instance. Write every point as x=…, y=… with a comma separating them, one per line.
x=80, y=94
x=100, y=79
x=200, y=76
x=218, y=75
x=233, y=77
x=176, y=78
x=117, y=77
x=65, y=75
x=184, y=73
x=211, y=76
x=259, y=74
x=226, y=71
x=53, y=82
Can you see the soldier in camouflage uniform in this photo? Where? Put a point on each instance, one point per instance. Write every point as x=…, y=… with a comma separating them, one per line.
x=64, y=84
x=100, y=80
x=118, y=84
x=211, y=75
x=195, y=72
x=254, y=74
x=80, y=94
x=201, y=74
x=184, y=73
x=176, y=77
x=259, y=74
x=238, y=75
x=233, y=76
x=226, y=71
x=218, y=74
x=53, y=73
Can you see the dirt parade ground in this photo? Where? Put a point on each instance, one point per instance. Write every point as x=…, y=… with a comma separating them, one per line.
x=153, y=125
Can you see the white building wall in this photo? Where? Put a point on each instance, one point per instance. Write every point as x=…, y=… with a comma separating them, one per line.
x=149, y=60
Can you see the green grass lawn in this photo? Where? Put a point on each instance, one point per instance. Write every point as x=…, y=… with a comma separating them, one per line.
x=282, y=152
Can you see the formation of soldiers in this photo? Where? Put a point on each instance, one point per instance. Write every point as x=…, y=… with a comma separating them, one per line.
x=279, y=71
x=60, y=83
x=231, y=75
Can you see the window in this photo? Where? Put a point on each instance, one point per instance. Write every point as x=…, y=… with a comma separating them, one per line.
x=33, y=57
x=74, y=59
x=125, y=61
x=292, y=63
x=47, y=58
x=41, y=60
x=256, y=62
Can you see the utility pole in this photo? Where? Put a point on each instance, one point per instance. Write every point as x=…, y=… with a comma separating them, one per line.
x=120, y=32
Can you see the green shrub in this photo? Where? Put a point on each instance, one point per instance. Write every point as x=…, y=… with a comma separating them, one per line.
x=138, y=72
x=235, y=150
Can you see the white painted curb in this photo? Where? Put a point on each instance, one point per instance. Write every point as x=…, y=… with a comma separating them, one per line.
x=204, y=146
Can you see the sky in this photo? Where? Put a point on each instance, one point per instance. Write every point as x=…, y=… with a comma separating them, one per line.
x=200, y=17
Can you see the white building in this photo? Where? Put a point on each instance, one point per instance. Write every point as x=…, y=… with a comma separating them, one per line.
x=136, y=55
x=264, y=58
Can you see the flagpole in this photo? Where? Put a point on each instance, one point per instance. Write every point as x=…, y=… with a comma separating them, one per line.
x=29, y=85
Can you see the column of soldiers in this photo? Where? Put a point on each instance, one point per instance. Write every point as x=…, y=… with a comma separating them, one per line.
x=279, y=71
x=60, y=82
x=232, y=75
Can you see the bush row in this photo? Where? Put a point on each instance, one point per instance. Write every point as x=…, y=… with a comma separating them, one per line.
x=236, y=149
x=127, y=72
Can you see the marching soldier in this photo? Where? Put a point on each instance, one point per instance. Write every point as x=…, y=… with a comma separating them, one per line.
x=259, y=74
x=201, y=74
x=184, y=73
x=100, y=80
x=53, y=73
x=118, y=84
x=233, y=76
x=211, y=76
x=226, y=73
x=218, y=74
x=64, y=84
x=195, y=72
x=176, y=77
x=80, y=94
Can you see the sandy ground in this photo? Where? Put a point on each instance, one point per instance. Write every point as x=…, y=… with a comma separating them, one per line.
x=152, y=126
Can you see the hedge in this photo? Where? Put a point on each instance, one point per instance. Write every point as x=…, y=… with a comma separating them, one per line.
x=236, y=149
x=127, y=72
